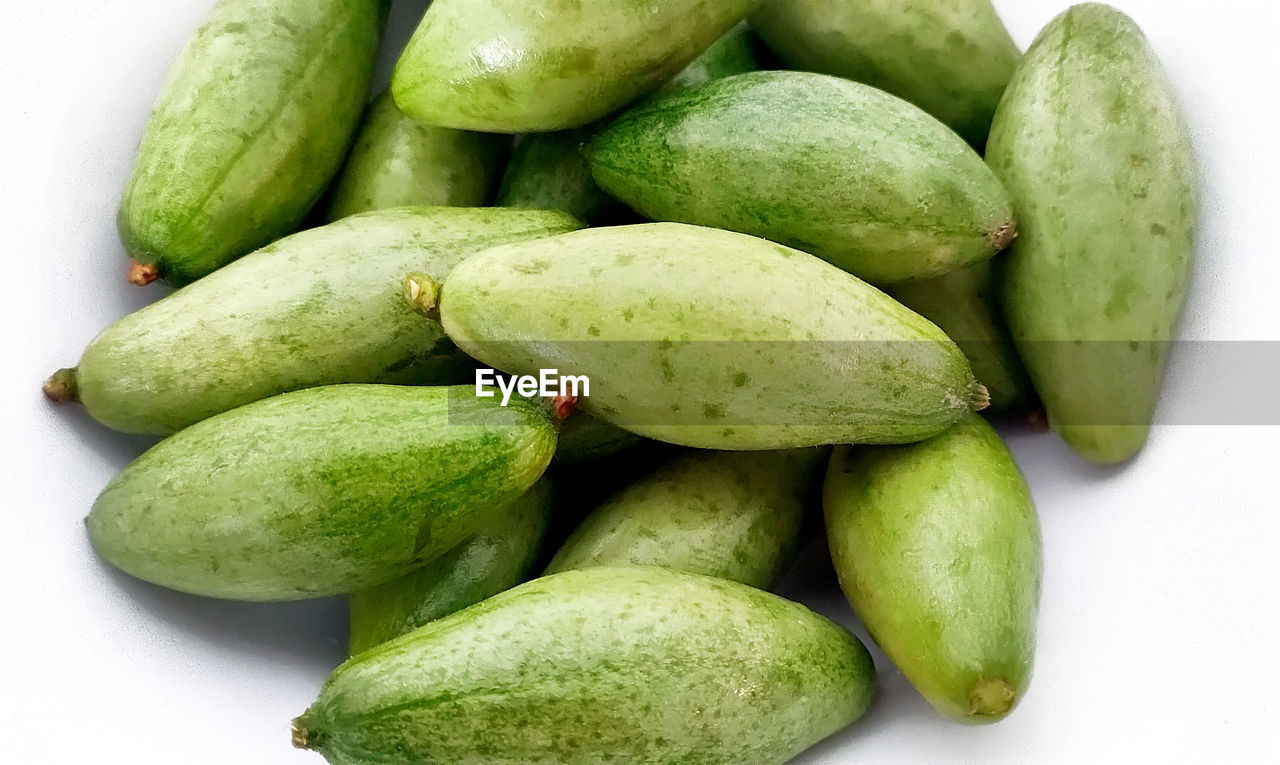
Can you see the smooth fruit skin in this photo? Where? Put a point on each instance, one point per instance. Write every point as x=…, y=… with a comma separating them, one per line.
x=734, y=53
x=511, y=66
x=836, y=168
x=584, y=438
x=710, y=339
x=1090, y=141
x=605, y=665
x=583, y=486
x=732, y=515
x=397, y=162
x=550, y=170
x=321, y=491
x=937, y=547
x=498, y=558
x=318, y=308
x=952, y=58
x=253, y=122
x=964, y=304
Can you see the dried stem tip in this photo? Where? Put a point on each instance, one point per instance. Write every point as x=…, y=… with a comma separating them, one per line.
x=991, y=698
x=979, y=397
x=142, y=274
x=62, y=387
x=1003, y=236
x=299, y=734
x=563, y=406
x=422, y=292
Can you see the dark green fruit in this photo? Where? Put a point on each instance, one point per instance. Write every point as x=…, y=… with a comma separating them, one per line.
x=497, y=558
x=637, y=665
x=320, y=492
x=253, y=122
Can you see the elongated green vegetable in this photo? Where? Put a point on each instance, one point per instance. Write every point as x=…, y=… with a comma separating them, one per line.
x=711, y=339
x=252, y=124
x=937, y=547
x=321, y=491
x=550, y=170
x=732, y=54
x=583, y=486
x=849, y=173
x=964, y=304
x=317, y=308
x=1090, y=141
x=511, y=67
x=951, y=58
x=637, y=665
x=497, y=558
x=584, y=438
x=733, y=515
x=397, y=162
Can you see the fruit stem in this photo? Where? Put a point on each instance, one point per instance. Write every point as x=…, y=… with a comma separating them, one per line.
x=301, y=737
x=422, y=293
x=62, y=387
x=142, y=274
x=1003, y=236
x=979, y=397
x=563, y=406
x=991, y=697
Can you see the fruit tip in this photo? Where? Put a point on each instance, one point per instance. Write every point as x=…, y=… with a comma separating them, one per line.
x=990, y=699
x=61, y=387
x=1003, y=236
x=142, y=274
x=563, y=406
x=298, y=733
x=979, y=397
x=422, y=292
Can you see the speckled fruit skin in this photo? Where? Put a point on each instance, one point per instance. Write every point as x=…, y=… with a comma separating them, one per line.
x=966, y=306
x=511, y=66
x=320, y=307
x=951, y=58
x=732, y=515
x=711, y=339
x=937, y=547
x=550, y=170
x=849, y=173
x=397, y=162
x=253, y=122
x=321, y=491
x=606, y=665
x=497, y=558
x=1090, y=141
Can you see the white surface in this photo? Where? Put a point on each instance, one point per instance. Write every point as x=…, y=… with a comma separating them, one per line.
x=1160, y=620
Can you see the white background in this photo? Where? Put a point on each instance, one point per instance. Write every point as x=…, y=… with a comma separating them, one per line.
x=1160, y=622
